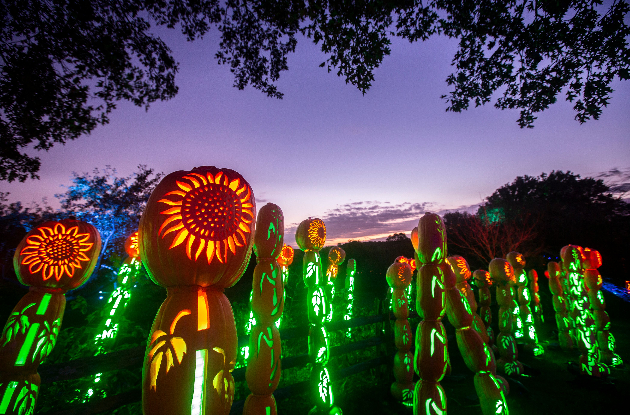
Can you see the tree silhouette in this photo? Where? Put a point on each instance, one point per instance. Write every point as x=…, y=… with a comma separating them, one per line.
x=59, y=81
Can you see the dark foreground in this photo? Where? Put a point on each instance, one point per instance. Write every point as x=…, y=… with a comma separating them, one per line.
x=549, y=389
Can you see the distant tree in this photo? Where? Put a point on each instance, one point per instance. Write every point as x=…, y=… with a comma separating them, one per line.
x=59, y=81
x=397, y=237
x=569, y=210
x=112, y=204
x=480, y=238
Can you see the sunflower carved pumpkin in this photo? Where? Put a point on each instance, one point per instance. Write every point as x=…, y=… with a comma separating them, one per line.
x=52, y=258
x=196, y=239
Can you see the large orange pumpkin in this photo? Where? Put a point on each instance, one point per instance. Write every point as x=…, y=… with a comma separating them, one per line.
x=57, y=255
x=197, y=228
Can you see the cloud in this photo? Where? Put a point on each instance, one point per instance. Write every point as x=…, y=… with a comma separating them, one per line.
x=617, y=179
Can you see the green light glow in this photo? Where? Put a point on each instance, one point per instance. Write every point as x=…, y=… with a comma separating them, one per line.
x=198, y=403
x=434, y=334
x=6, y=398
x=26, y=346
x=43, y=306
x=430, y=404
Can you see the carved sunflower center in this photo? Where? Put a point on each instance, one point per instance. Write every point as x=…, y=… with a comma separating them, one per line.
x=59, y=249
x=213, y=208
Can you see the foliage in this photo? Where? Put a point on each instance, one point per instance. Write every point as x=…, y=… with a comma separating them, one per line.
x=397, y=237
x=59, y=81
x=112, y=204
x=15, y=221
x=548, y=212
x=481, y=238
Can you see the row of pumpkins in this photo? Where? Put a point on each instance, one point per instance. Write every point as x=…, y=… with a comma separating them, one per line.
x=196, y=237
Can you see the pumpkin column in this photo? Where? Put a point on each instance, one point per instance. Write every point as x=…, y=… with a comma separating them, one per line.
x=463, y=274
x=263, y=366
x=310, y=237
x=431, y=355
x=483, y=282
x=476, y=353
x=398, y=278
x=351, y=268
x=593, y=280
x=195, y=240
x=336, y=256
x=560, y=306
x=502, y=275
x=285, y=260
x=52, y=258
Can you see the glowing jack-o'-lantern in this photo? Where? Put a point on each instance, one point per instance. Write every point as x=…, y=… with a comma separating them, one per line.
x=57, y=254
x=196, y=235
x=131, y=245
x=311, y=234
x=53, y=258
x=202, y=222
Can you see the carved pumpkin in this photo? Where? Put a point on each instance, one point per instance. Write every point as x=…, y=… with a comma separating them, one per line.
x=197, y=228
x=269, y=235
x=286, y=256
x=131, y=245
x=311, y=234
x=399, y=275
x=57, y=255
x=264, y=365
x=431, y=239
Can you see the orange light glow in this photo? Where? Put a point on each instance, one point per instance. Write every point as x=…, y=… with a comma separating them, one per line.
x=203, y=313
x=56, y=251
x=317, y=232
x=628, y=285
x=132, y=249
x=463, y=268
x=209, y=214
x=286, y=256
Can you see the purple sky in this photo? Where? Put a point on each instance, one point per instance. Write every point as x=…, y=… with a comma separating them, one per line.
x=369, y=166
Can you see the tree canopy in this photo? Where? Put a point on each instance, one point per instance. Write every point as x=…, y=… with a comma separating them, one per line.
x=59, y=81
x=542, y=214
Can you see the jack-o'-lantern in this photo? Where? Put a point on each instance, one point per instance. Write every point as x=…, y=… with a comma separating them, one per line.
x=131, y=245
x=57, y=254
x=197, y=228
x=311, y=234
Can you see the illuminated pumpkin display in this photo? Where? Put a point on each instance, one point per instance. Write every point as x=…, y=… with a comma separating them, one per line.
x=311, y=237
x=483, y=282
x=503, y=277
x=285, y=260
x=351, y=269
x=584, y=330
x=559, y=302
x=336, y=256
x=524, y=327
x=478, y=357
x=537, y=310
x=593, y=280
x=263, y=365
x=431, y=354
x=115, y=306
x=131, y=245
x=438, y=294
x=52, y=258
x=463, y=274
x=196, y=235
x=398, y=278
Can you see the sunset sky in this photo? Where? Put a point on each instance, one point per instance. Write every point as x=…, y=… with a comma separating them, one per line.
x=368, y=165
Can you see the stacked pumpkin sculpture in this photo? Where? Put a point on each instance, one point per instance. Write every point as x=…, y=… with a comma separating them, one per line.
x=285, y=260
x=437, y=294
x=483, y=282
x=398, y=278
x=336, y=256
x=537, y=309
x=196, y=236
x=503, y=277
x=463, y=274
x=525, y=328
x=53, y=258
x=585, y=333
x=310, y=237
x=263, y=366
x=560, y=305
x=351, y=269
x=593, y=280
